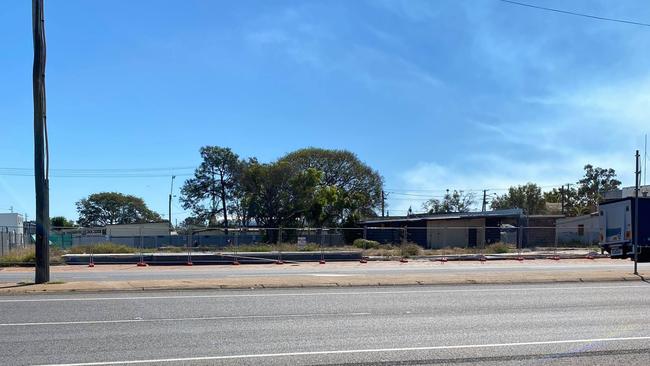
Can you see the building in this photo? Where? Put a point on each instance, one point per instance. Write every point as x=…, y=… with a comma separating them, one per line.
x=11, y=222
x=625, y=192
x=11, y=232
x=539, y=230
x=144, y=229
x=578, y=230
x=463, y=229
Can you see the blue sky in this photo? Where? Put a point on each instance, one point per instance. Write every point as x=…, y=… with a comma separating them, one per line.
x=456, y=94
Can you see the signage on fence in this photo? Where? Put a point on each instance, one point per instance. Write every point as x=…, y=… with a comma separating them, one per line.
x=302, y=241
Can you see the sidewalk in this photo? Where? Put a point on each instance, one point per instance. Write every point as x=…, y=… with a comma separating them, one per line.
x=343, y=274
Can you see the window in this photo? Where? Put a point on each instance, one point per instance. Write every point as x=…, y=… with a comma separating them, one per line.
x=581, y=230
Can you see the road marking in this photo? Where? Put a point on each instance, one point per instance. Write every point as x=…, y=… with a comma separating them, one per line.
x=243, y=317
x=328, y=275
x=304, y=294
x=338, y=352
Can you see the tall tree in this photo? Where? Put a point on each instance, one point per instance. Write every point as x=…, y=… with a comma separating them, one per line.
x=594, y=184
x=569, y=196
x=354, y=187
x=209, y=192
x=107, y=208
x=456, y=201
x=527, y=197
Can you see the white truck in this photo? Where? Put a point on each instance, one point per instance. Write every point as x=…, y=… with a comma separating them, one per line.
x=617, y=228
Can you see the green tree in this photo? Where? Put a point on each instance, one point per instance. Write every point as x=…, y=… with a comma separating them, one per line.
x=60, y=222
x=348, y=187
x=210, y=191
x=594, y=184
x=456, y=201
x=527, y=197
x=108, y=208
x=572, y=201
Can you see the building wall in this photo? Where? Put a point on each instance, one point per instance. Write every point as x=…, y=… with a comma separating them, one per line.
x=581, y=229
x=539, y=231
x=11, y=222
x=454, y=233
x=148, y=229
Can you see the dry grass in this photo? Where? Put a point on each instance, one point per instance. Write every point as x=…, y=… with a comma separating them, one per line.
x=102, y=248
x=27, y=257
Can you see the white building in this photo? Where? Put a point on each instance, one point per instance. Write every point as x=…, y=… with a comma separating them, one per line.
x=580, y=229
x=11, y=222
x=644, y=191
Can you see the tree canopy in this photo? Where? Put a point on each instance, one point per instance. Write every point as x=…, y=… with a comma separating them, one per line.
x=594, y=184
x=457, y=201
x=108, y=208
x=527, y=197
x=60, y=222
x=316, y=187
x=210, y=191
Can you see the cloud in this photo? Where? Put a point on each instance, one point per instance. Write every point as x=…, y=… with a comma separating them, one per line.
x=414, y=10
x=312, y=42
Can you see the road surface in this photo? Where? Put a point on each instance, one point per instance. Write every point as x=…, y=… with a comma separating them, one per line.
x=562, y=324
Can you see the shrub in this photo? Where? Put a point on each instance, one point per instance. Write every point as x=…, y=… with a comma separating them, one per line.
x=410, y=249
x=366, y=244
x=102, y=248
x=497, y=248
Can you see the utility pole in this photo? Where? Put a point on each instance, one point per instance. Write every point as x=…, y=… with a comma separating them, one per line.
x=171, y=191
x=645, y=160
x=637, y=178
x=41, y=162
x=383, y=202
x=484, y=200
x=562, y=199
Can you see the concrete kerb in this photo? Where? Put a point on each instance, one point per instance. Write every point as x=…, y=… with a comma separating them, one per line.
x=311, y=282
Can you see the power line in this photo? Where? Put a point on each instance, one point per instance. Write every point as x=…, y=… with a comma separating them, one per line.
x=575, y=13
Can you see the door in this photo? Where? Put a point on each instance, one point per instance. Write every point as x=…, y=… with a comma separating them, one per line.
x=472, y=237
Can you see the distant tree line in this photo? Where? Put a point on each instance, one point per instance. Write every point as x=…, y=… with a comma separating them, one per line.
x=578, y=199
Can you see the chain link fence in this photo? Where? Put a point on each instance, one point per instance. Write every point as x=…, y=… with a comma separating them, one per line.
x=427, y=240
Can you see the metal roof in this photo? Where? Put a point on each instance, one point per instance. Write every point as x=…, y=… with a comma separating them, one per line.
x=517, y=212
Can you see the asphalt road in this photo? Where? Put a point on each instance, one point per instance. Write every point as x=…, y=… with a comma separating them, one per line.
x=563, y=324
x=133, y=273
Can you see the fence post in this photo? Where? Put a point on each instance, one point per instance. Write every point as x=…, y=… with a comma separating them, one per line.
x=279, y=261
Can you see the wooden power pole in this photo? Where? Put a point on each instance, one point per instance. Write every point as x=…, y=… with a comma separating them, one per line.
x=41, y=162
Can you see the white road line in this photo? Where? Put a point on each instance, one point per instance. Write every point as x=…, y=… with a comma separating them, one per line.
x=305, y=294
x=243, y=317
x=338, y=352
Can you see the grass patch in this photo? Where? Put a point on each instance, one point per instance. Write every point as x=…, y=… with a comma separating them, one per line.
x=27, y=257
x=498, y=248
x=410, y=250
x=17, y=257
x=102, y=248
x=366, y=244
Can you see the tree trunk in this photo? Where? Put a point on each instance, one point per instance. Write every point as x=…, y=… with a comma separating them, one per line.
x=223, y=203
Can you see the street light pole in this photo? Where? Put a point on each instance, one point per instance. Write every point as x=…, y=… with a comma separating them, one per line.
x=637, y=178
x=41, y=158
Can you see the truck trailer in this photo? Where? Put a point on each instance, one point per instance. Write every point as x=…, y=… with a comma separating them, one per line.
x=617, y=226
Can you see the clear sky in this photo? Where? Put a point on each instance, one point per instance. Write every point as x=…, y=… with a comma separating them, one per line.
x=458, y=94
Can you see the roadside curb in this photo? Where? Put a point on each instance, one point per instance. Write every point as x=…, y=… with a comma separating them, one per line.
x=310, y=282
